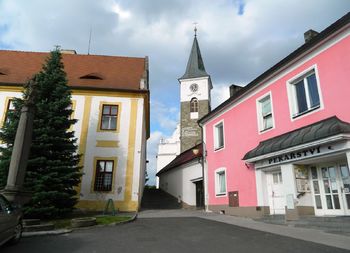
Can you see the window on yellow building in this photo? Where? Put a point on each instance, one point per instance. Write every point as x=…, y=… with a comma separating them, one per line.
x=109, y=117
x=104, y=175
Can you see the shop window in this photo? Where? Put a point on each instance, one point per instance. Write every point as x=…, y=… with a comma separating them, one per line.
x=219, y=136
x=104, y=175
x=265, y=115
x=220, y=182
x=316, y=186
x=305, y=94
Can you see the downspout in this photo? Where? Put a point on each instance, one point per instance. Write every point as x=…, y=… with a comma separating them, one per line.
x=202, y=164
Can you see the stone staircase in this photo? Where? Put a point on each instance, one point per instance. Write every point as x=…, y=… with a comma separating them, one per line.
x=158, y=199
x=336, y=225
x=35, y=225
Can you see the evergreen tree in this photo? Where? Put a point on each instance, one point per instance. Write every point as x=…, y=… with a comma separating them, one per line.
x=52, y=171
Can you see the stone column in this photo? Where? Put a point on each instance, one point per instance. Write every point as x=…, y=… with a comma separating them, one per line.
x=14, y=189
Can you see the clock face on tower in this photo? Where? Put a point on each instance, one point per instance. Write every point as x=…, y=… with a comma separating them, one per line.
x=194, y=87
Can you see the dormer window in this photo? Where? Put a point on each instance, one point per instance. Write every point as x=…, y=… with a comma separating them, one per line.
x=3, y=72
x=93, y=76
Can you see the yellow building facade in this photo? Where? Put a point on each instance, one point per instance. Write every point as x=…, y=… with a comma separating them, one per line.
x=110, y=99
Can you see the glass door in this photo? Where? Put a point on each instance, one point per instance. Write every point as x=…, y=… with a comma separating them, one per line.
x=345, y=187
x=331, y=190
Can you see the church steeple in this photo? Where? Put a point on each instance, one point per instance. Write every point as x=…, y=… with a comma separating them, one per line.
x=195, y=66
x=195, y=86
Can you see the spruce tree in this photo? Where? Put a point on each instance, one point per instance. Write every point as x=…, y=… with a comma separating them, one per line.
x=53, y=170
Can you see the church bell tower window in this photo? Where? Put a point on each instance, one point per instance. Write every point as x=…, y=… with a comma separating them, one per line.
x=194, y=105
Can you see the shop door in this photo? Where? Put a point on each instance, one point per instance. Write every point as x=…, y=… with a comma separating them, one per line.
x=277, y=200
x=331, y=188
x=345, y=187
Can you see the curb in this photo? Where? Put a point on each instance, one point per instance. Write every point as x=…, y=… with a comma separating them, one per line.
x=52, y=232
x=133, y=218
x=66, y=231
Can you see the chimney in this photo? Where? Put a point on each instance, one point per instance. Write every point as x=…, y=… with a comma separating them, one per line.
x=68, y=51
x=309, y=35
x=234, y=89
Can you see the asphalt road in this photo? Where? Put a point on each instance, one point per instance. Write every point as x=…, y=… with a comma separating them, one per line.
x=167, y=235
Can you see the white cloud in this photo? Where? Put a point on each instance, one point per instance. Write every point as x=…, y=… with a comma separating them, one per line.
x=164, y=116
x=219, y=94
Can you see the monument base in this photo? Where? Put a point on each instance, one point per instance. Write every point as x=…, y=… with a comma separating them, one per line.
x=16, y=195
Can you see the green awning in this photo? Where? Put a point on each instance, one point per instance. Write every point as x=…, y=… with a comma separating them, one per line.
x=317, y=131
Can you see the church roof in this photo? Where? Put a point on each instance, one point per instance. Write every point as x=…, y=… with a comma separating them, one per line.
x=319, y=130
x=195, y=66
x=183, y=158
x=83, y=71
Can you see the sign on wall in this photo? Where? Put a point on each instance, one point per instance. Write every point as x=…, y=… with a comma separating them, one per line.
x=300, y=154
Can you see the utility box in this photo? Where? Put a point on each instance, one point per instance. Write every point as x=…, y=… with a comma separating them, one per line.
x=233, y=199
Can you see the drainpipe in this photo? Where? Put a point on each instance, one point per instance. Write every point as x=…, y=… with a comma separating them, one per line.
x=202, y=164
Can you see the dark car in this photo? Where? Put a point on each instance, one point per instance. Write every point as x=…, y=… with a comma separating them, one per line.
x=10, y=222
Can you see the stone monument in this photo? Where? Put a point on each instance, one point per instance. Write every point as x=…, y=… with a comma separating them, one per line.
x=14, y=190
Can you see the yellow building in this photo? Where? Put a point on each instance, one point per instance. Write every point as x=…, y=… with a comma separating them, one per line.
x=110, y=97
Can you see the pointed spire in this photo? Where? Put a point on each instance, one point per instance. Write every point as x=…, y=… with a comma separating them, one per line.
x=195, y=66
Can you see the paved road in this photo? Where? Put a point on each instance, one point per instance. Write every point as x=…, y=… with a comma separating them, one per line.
x=182, y=234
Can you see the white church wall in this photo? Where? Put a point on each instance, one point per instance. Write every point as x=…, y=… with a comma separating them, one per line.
x=177, y=182
x=168, y=149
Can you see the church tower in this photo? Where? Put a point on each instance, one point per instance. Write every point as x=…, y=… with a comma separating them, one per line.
x=195, y=87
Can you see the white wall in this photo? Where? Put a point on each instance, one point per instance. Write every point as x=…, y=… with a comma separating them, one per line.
x=168, y=149
x=177, y=182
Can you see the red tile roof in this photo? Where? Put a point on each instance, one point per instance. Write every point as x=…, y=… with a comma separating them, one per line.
x=183, y=158
x=113, y=72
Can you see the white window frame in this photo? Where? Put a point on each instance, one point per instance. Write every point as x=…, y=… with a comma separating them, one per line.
x=260, y=118
x=216, y=143
x=217, y=186
x=292, y=98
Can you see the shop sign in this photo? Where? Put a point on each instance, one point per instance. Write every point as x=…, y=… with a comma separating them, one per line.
x=296, y=155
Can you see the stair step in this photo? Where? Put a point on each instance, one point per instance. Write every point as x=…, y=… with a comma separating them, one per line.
x=40, y=227
x=158, y=199
x=31, y=222
x=327, y=225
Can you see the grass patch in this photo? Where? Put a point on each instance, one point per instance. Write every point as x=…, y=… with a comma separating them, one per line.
x=101, y=220
x=61, y=223
x=104, y=220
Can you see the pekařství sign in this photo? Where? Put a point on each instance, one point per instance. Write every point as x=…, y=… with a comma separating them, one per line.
x=300, y=154
x=295, y=155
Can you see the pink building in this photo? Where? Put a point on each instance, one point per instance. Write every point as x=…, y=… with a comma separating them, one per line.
x=281, y=145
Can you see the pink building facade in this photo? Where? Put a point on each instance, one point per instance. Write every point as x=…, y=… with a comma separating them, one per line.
x=281, y=145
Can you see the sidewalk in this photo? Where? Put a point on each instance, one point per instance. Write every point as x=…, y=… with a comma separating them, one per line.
x=312, y=235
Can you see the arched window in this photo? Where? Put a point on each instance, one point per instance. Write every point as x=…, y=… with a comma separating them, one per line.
x=194, y=105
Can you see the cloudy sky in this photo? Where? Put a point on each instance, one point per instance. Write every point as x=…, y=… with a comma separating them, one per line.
x=239, y=39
